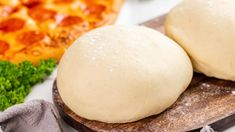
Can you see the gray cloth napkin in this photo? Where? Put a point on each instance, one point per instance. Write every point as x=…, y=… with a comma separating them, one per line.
x=33, y=116
x=207, y=129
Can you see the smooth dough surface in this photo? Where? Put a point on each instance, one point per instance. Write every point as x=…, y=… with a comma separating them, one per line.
x=206, y=30
x=119, y=74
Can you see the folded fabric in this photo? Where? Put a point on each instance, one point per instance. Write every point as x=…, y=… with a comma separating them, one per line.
x=33, y=116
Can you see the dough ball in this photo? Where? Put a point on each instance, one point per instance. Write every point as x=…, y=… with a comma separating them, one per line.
x=119, y=74
x=206, y=30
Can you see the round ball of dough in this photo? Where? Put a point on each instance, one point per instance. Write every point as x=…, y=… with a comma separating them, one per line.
x=120, y=74
x=206, y=30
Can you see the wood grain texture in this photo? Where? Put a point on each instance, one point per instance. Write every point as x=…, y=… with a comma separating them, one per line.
x=207, y=101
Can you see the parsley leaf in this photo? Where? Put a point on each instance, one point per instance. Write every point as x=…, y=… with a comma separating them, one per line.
x=16, y=80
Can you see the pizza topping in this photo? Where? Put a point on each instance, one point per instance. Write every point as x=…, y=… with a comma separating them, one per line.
x=70, y=20
x=48, y=25
x=6, y=10
x=41, y=14
x=63, y=1
x=11, y=24
x=30, y=37
x=4, y=46
x=94, y=9
x=31, y=3
x=59, y=17
x=36, y=53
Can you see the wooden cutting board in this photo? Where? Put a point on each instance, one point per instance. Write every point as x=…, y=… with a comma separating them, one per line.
x=207, y=101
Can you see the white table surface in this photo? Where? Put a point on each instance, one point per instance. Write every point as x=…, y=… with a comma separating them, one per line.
x=133, y=12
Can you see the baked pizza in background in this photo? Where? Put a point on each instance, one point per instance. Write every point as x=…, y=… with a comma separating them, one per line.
x=41, y=29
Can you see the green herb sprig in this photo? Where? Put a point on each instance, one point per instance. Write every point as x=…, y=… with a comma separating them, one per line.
x=16, y=80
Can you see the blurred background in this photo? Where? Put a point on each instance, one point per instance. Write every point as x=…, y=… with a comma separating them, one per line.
x=138, y=11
